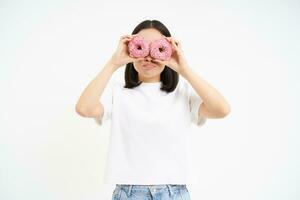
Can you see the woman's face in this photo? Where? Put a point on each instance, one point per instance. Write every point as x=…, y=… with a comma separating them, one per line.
x=149, y=70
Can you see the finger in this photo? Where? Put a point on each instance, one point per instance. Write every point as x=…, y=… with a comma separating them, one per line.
x=136, y=59
x=174, y=41
x=125, y=40
x=122, y=38
x=168, y=38
x=139, y=59
x=177, y=42
x=130, y=36
x=126, y=36
x=160, y=61
x=174, y=46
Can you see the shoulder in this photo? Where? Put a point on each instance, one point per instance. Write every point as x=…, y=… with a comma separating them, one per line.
x=115, y=84
x=183, y=84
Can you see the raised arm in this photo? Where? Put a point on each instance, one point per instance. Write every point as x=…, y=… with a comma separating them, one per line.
x=88, y=104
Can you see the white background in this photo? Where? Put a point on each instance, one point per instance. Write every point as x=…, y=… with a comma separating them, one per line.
x=51, y=50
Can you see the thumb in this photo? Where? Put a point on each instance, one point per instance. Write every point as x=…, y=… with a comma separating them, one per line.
x=160, y=61
x=134, y=59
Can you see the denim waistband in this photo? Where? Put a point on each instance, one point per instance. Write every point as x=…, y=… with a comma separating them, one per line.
x=146, y=188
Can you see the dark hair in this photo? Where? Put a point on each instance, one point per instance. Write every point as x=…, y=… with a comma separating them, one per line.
x=168, y=76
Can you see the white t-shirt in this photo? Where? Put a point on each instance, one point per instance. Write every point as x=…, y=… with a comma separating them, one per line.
x=150, y=129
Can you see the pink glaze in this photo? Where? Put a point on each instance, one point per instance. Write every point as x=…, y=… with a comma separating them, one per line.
x=138, y=47
x=160, y=49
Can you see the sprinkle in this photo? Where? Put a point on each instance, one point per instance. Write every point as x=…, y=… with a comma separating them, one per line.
x=160, y=49
x=138, y=48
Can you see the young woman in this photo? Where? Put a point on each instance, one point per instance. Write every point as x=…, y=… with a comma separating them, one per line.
x=151, y=117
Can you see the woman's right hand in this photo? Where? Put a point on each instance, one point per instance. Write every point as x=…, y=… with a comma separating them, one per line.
x=121, y=55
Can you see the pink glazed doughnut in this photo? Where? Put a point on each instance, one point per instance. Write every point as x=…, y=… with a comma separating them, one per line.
x=161, y=49
x=138, y=47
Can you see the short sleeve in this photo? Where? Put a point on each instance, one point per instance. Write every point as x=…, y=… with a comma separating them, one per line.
x=106, y=99
x=194, y=104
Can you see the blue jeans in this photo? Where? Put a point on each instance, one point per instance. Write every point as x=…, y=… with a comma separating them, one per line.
x=150, y=192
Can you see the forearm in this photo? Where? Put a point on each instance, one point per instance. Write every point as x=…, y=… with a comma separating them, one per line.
x=213, y=100
x=91, y=94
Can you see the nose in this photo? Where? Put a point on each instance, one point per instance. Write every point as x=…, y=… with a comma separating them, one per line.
x=148, y=58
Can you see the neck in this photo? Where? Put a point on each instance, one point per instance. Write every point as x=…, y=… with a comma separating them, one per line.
x=150, y=80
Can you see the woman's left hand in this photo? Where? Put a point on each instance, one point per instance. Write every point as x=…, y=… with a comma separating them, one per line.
x=177, y=61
